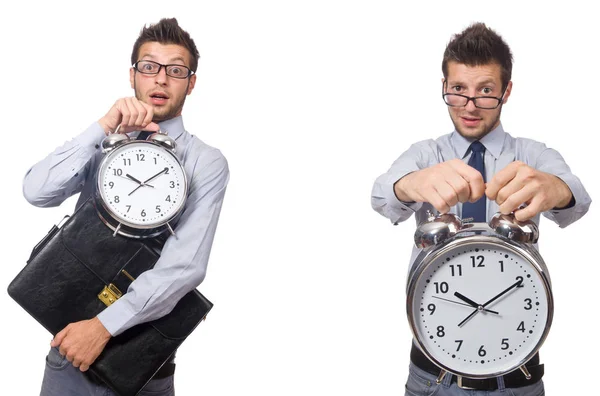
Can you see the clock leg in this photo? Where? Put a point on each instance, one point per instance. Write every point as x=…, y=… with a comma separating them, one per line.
x=440, y=377
x=117, y=230
x=171, y=230
x=525, y=372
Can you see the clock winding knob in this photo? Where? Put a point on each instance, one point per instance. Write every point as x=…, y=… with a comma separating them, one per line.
x=437, y=229
x=519, y=231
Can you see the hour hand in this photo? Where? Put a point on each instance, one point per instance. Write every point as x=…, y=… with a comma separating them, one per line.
x=141, y=184
x=472, y=303
x=134, y=179
x=466, y=299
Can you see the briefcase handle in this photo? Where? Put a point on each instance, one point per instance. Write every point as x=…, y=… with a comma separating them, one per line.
x=48, y=236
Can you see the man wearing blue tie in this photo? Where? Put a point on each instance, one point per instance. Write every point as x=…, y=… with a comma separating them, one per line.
x=477, y=171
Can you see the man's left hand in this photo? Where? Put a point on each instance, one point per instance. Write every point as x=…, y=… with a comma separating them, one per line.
x=519, y=183
x=82, y=342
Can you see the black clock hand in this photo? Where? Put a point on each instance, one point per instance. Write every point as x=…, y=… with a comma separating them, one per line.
x=517, y=283
x=466, y=299
x=147, y=180
x=155, y=176
x=137, y=181
x=468, y=317
x=466, y=305
x=133, y=178
x=137, y=188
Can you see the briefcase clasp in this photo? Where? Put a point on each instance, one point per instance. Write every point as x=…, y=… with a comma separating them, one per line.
x=109, y=294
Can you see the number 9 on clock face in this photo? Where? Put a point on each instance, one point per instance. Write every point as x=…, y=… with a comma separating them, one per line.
x=479, y=308
x=142, y=185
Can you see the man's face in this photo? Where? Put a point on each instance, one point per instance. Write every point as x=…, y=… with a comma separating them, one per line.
x=485, y=80
x=164, y=93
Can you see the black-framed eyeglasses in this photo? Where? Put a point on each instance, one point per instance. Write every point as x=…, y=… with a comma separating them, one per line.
x=481, y=102
x=153, y=68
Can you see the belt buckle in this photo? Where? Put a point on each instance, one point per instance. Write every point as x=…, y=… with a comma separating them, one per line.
x=459, y=382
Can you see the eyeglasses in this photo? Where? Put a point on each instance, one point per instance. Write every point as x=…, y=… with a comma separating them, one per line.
x=481, y=102
x=153, y=68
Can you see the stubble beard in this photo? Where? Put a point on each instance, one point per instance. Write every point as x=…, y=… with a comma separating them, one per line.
x=474, y=134
x=162, y=113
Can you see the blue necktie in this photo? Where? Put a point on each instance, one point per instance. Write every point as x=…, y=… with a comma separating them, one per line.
x=143, y=135
x=476, y=210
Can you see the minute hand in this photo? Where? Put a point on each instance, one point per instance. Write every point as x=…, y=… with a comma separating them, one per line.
x=155, y=176
x=149, y=179
x=517, y=283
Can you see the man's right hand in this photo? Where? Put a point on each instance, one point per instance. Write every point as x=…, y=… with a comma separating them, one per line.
x=442, y=185
x=131, y=114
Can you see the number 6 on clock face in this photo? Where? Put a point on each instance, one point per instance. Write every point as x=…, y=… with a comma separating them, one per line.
x=141, y=185
x=480, y=306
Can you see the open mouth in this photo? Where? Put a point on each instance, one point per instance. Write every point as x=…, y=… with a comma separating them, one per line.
x=158, y=98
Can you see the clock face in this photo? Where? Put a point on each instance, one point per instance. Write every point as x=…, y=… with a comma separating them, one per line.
x=480, y=309
x=142, y=184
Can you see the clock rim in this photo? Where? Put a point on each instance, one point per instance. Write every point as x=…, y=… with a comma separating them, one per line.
x=429, y=256
x=145, y=231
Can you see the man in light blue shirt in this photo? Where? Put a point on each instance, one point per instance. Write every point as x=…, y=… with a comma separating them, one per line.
x=434, y=175
x=164, y=60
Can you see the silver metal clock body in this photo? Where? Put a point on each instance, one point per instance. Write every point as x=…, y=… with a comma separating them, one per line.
x=479, y=299
x=141, y=186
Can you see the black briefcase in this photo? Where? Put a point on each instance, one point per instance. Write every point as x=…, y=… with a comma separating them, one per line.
x=75, y=272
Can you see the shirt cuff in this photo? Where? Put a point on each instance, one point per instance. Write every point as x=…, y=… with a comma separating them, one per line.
x=401, y=208
x=569, y=205
x=575, y=209
x=115, y=317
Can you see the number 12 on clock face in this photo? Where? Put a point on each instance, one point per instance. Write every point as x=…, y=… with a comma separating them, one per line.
x=142, y=185
x=480, y=308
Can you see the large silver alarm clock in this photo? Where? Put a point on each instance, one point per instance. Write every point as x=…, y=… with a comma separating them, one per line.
x=479, y=299
x=141, y=185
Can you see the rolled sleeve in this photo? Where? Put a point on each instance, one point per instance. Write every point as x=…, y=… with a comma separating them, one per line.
x=567, y=216
x=184, y=258
x=386, y=203
x=550, y=161
x=383, y=198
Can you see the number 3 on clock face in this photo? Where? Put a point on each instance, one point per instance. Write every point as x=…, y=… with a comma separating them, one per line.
x=142, y=185
x=480, y=308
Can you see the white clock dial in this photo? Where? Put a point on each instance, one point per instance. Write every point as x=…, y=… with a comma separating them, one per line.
x=481, y=308
x=142, y=184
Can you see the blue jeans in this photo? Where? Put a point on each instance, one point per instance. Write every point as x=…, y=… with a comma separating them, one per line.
x=62, y=379
x=421, y=383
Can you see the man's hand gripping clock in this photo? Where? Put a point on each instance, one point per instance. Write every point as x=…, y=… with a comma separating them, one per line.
x=445, y=184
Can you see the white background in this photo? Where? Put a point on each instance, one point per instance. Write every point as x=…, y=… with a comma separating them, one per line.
x=310, y=101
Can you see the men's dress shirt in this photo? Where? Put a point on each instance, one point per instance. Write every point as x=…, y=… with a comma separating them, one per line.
x=71, y=169
x=500, y=150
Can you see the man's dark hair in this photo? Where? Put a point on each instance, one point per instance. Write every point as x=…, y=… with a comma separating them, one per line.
x=479, y=45
x=166, y=31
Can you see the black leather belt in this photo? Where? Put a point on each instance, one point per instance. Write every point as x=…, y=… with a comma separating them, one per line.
x=514, y=379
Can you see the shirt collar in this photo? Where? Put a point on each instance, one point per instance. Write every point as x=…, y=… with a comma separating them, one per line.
x=493, y=142
x=173, y=127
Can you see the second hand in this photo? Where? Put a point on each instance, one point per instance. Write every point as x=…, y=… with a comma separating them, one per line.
x=466, y=305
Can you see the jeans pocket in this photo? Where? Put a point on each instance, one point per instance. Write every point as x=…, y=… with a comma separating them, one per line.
x=420, y=383
x=55, y=360
x=162, y=387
